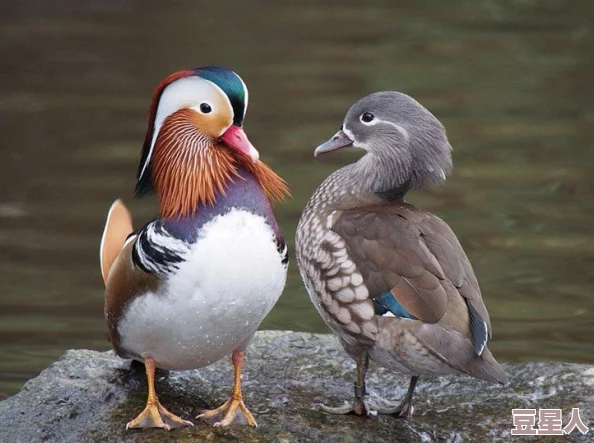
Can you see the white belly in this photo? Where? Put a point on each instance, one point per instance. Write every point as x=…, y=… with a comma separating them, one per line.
x=215, y=302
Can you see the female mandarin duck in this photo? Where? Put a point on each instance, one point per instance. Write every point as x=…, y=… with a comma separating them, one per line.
x=194, y=285
x=391, y=280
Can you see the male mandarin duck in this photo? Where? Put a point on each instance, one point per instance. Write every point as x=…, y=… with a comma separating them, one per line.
x=193, y=285
x=389, y=279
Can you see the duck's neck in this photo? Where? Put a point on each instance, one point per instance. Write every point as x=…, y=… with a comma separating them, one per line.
x=383, y=175
x=363, y=183
x=391, y=169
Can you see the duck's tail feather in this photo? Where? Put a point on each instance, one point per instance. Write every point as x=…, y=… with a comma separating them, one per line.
x=118, y=227
x=489, y=369
x=457, y=351
x=454, y=349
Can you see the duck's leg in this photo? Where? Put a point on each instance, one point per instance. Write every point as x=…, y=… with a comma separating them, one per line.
x=378, y=405
x=405, y=408
x=155, y=415
x=233, y=411
x=359, y=406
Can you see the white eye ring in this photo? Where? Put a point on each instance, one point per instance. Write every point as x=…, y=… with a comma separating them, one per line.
x=367, y=118
x=205, y=108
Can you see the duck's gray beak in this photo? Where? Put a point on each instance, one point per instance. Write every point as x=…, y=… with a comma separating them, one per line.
x=338, y=140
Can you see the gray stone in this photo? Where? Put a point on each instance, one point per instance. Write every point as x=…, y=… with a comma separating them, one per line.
x=89, y=396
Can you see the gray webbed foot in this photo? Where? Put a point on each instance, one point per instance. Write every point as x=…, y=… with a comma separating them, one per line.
x=358, y=407
x=372, y=407
x=404, y=409
x=376, y=405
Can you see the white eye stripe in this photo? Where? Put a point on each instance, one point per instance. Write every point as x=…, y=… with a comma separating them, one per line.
x=182, y=93
x=377, y=121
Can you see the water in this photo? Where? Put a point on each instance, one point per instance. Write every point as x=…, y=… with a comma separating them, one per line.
x=511, y=80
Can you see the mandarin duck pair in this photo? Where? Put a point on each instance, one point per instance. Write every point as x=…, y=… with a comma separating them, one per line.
x=193, y=285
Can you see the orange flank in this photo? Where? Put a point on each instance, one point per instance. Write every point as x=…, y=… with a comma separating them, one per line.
x=117, y=228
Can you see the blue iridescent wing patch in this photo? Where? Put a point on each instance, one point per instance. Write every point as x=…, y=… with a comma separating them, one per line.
x=386, y=302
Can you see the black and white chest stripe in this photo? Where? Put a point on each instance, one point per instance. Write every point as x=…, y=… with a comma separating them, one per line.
x=157, y=251
x=282, y=249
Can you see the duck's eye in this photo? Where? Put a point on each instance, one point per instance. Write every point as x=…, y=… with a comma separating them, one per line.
x=205, y=108
x=367, y=117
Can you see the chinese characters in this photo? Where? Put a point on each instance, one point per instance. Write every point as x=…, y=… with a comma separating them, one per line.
x=550, y=422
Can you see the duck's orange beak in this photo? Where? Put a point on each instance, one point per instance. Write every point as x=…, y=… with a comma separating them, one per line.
x=235, y=138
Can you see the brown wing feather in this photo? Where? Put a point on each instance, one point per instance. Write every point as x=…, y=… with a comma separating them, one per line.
x=117, y=228
x=411, y=253
x=445, y=246
x=391, y=256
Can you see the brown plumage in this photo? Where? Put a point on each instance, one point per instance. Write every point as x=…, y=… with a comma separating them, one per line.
x=416, y=256
x=188, y=170
x=390, y=280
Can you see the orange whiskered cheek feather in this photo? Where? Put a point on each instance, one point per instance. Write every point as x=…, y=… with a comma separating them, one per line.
x=189, y=168
x=274, y=186
x=186, y=170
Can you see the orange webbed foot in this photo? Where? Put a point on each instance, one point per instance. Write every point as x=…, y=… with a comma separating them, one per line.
x=233, y=411
x=156, y=416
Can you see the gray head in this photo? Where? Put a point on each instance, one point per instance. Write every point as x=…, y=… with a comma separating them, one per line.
x=406, y=145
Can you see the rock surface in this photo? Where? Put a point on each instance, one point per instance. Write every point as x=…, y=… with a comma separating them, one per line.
x=89, y=396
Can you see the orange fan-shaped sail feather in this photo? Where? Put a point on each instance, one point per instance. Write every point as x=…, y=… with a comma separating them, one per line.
x=117, y=229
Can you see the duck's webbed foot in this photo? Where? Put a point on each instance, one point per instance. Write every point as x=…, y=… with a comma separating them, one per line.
x=358, y=407
x=374, y=405
x=233, y=411
x=154, y=414
x=402, y=410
